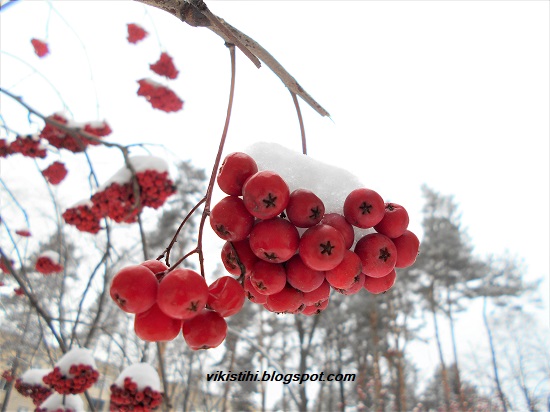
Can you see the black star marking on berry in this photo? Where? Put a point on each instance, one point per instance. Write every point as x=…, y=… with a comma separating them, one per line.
x=315, y=213
x=326, y=248
x=365, y=208
x=390, y=207
x=269, y=201
x=194, y=306
x=384, y=254
x=270, y=256
x=222, y=230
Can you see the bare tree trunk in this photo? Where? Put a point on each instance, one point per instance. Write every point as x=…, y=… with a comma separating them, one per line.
x=493, y=357
x=227, y=386
x=378, y=401
x=462, y=403
x=444, y=376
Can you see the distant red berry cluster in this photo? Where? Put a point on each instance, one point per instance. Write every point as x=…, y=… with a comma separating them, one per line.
x=160, y=97
x=37, y=392
x=165, y=66
x=46, y=266
x=7, y=376
x=40, y=47
x=23, y=233
x=62, y=140
x=129, y=398
x=55, y=173
x=80, y=378
x=83, y=218
x=118, y=202
x=29, y=146
x=136, y=33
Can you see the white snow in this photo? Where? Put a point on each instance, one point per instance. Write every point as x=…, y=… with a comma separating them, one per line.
x=330, y=183
x=142, y=374
x=34, y=376
x=50, y=254
x=140, y=164
x=55, y=402
x=153, y=83
x=76, y=356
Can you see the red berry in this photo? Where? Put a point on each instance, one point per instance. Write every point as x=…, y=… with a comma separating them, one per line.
x=344, y=275
x=235, y=170
x=182, y=294
x=230, y=219
x=355, y=287
x=322, y=247
x=304, y=209
x=268, y=278
x=135, y=33
x=395, y=221
x=286, y=301
x=252, y=293
x=275, y=240
x=315, y=297
x=155, y=266
x=380, y=285
x=339, y=222
x=206, y=330
x=315, y=309
x=265, y=194
x=238, y=258
x=302, y=277
x=226, y=296
x=155, y=326
x=407, y=246
x=378, y=254
x=134, y=289
x=364, y=208
x=165, y=66
x=40, y=47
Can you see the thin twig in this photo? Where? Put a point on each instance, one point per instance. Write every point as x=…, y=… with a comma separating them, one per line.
x=301, y=121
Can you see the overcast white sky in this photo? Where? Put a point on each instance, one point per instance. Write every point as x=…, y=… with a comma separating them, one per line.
x=451, y=94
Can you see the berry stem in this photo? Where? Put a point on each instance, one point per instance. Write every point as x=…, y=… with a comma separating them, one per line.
x=206, y=211
x=301, y=121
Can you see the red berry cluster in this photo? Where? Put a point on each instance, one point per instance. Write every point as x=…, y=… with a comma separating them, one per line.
x=289, y=272
x=5, y=149
x=179, y=300
x=38, y=393
x=7, y=376
x=83, y=217
x=60, y=139
x=29, y=146
x=136, y=33
x=46, y=266
x=23, y=233
x=40, y=47
x=80, y=378
x=130, y=398
x=160, y=97
x=117, y=201
x=165, y=66
x=55, y=173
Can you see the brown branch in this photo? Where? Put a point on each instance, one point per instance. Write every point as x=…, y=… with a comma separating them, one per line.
x=301, y=121
x=194, y=17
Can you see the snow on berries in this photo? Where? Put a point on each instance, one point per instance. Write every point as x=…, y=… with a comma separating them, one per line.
x=74, y=373
x=159, y=96
x=136, y=388
x=74, y=143
x=165, y=66
x=309, y=236
x=31, y=384
x=61, y=403
x=48, y=263
x=40, y=47
x=136, y=33
x=116, y=198
x=55, y=173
